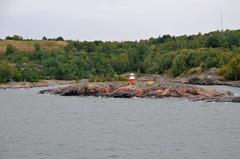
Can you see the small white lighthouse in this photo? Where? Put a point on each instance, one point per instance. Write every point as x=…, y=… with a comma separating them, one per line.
x=131, y=79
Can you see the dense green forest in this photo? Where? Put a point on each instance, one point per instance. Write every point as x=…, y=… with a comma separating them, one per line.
x=100, y=61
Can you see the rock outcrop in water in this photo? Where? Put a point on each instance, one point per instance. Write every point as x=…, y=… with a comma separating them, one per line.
x=143, y=90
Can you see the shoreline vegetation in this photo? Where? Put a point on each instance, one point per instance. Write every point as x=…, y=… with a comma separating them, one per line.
x=58, y=59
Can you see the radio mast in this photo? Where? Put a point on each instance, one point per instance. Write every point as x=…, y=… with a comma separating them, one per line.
x=222, y=21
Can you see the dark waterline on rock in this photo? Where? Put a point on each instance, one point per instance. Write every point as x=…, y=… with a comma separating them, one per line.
x=42, y=126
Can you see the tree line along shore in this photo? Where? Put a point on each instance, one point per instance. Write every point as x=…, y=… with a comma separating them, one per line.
x=58, y=59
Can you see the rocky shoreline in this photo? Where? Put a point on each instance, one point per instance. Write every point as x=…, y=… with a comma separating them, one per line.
x=210, y=77
x=42, y=83
x=147, y=86
x=147, y=89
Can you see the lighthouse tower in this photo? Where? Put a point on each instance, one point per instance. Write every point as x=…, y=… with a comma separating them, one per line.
x=131, y=79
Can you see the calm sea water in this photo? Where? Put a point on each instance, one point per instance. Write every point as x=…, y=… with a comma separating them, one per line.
x=34, y=126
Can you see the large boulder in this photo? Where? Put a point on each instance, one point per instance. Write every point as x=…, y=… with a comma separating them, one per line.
x=87, y=89
x=94, y=89
x=74, y=90
x=209, y=77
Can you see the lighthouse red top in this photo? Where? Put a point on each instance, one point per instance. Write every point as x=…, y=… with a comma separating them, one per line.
x=131, y=79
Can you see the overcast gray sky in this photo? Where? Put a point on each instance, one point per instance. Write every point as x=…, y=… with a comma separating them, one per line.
x=115, y=19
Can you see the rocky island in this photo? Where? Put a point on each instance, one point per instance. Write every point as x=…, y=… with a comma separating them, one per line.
x=157, y=87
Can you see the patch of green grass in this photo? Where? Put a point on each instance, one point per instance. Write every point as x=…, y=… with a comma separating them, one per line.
x=28, y=46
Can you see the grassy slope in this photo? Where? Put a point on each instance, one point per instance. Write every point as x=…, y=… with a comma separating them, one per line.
x=28, y=46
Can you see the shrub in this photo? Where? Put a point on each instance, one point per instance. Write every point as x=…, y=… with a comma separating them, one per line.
x=231, y=71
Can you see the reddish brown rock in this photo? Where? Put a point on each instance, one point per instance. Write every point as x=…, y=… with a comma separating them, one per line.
x=157, y=91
